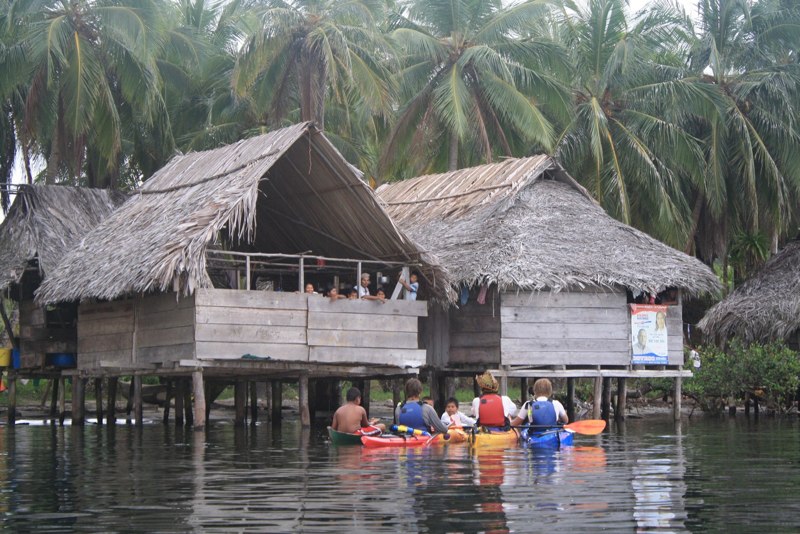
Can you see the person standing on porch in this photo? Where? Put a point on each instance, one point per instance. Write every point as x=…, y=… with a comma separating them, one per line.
x=412, y=286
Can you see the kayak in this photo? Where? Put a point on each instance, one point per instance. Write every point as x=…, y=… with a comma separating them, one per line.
x=549, y=439
x=457, y=435
x=493, y=437
x=389, y=440
x=346, y=438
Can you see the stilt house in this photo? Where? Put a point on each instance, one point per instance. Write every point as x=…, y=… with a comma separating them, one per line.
x=764, y=308
x=44, y=223
x=545, y=276
x=204, y=268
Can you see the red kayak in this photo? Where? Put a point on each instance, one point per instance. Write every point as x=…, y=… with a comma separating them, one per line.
x=388, y=440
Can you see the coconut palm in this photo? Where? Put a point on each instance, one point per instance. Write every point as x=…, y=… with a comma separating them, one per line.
x=308, y=51
x=475, y=75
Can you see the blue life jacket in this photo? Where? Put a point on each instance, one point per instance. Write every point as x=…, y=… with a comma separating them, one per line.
x=542, y=413
x=411, y=415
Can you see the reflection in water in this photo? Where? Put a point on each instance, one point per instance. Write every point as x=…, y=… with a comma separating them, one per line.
x=651, y=478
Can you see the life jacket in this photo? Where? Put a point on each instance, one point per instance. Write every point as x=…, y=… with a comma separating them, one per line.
x=491, y=411
x=542, y=413
x=411, y=415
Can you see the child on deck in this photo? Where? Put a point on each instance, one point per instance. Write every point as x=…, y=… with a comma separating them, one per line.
x=542, y=410
x=452, y=417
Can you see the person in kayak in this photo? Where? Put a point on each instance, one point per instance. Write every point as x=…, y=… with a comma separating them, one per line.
x=416, y=414
x=542, y=410
x=453, y=418
x=351, y=416
x=491, y=409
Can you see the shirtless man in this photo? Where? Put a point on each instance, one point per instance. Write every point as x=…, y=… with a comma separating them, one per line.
x=352, y=416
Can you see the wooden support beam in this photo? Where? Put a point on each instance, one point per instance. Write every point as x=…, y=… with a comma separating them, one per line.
x=676, y=398
x=62, y=400
x=179, y=398
x=523, y=391
x=187, y=400
x=571, y=399
x=239, y=402
x=622, y=399
x=167, y=401
x=598, y=397
x=98, y=399
x=253, y=403
x=138, y=409
x=277, y=402
x=112, y=399
x=54, y=400
x=305, y=417
x=365, y=395
x=503, y=391
x=199, y=401
x=605, y=409
x=397, y=388
x=268, y=399
x=12, y=397
x=78, y=400
x=129, y=405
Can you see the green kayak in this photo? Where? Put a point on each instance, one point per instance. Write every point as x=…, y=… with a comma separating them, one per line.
x=344, y=438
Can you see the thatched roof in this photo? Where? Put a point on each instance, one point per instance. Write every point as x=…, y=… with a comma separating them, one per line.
x=526, y=224
x=764, y=308
x=288, y=191
x=47, y=221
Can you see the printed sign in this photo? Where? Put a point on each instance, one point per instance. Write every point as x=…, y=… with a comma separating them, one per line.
x=649, y=339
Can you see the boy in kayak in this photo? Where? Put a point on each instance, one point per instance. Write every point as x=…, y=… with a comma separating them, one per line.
x=491, y=409
x=352, y=416
x=416, y=414
x=542, y=410
x=452, y=417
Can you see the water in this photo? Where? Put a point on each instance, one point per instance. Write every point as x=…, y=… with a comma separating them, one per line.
x=707, y=475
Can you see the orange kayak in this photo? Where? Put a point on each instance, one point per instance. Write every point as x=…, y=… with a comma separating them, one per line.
x=388, y=440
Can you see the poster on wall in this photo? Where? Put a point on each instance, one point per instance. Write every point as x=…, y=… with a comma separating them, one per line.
x=649, y=334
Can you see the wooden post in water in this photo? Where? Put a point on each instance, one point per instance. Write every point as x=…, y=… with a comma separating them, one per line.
x=179, y=398
x=365, y=395
x=187, y=399
x=62, y=400
x=605, y=409
x=397, y=387
x=167, y=401
x=523, y=391
x=503, y=382
x=622, y=399
x=54, y=400
x=78, y=400
x=98, y=399
x=129, y=404
x=598, y=397
x=199, y=401
x=253, y=403
x=239, y=400
x=305, y=417
x=571, y=398
x=268, y=399
x=12, y=396
x=137, y=400
x=112, y=400
x=676, y=398
x=277, y=402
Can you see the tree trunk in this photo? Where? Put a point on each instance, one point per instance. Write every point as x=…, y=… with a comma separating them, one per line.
x=696, y=212
x=453, y=159
x=53, y=159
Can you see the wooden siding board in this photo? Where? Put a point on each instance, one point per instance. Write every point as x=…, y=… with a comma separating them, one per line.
x=250, y=316
x=234, y=351
x=395, y=357
x=371, y=307
x=250, y=333
x=265, y=300
x=512, y=357
x=361, y=322
x=349, y=339
x=563, y=299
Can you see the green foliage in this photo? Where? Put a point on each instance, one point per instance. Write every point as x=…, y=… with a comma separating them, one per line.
x=770, y=372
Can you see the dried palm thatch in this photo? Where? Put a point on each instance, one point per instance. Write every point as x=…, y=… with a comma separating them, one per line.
x=288, y=191
x=526, y=224
x=45, y=222
x=764, y=308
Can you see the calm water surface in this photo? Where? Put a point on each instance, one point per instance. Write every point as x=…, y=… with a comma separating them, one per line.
x=707, y=475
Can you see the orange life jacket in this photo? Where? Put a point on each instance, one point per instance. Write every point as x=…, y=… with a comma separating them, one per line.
x=491, y=411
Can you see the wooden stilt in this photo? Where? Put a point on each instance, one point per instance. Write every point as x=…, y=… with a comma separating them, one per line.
x=523, y=391
x=397, y=387
x=571, y=398
x=476, y=389
x=503, y=383
x=622, y=399
x=598, y=397
x=187, y=399
x=129, y=404
x=305, y=417
x=137, y=400
x=239, y=401
x=277, y=402
x=54, y=400
x=62, y=400
x=98, y=400
x=179, y=398
x=12, y=397
x=605, y=409
x=314, y=399
x=676, y=399
x=268, y=398
x=199, y=401
x=167, y=401
x=112, y=400
x=78, y=400
x=365, y=395
x=253, y=403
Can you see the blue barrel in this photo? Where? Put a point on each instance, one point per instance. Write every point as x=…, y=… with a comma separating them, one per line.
x=15, y=359
x=62, y=359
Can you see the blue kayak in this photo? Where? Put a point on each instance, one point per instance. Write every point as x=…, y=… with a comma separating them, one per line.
x=550, y=439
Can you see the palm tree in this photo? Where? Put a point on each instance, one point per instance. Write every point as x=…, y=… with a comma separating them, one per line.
x=89, y=74
x=308, y=51
x=474, y=74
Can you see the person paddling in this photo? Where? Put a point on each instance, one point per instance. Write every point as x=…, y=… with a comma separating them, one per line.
x=416, y=414
x=352, y=417
x=491, y=409
x=542, y=411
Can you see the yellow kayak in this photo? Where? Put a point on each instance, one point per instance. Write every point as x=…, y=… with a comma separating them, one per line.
x=457, y=435
x=494, y=438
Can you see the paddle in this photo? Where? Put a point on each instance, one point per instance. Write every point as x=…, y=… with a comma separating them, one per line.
x=589, y=427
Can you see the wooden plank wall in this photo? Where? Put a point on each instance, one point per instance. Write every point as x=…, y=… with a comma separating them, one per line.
x=164, y=329
x=233, y=323
x=105, y=333
x=37, y=339
x=675, y=334
x=475, y=331
x=359, y=331
x=567, y=328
